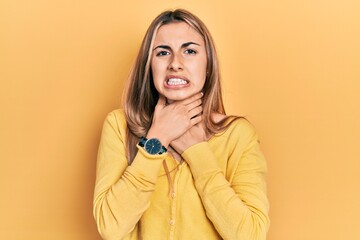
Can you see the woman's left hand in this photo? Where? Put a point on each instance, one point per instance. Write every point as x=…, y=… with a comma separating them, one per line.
x=194, y=135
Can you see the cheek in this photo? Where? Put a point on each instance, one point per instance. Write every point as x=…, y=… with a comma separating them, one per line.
x=200, y=70
x=153, y=68
x=157, y=75
x=154, y=72
x=157, y=68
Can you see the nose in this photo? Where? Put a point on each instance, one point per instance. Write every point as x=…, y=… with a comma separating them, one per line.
x=175, y=63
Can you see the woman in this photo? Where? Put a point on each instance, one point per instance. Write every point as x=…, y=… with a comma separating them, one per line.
x=172, y=165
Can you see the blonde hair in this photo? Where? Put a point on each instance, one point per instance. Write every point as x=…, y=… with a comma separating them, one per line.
x=141, y=95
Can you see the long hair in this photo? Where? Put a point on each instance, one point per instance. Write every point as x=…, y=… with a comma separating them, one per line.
x=141, y=96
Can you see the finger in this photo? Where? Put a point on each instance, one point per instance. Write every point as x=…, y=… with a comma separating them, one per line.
x=195, y=120
x=193, y=105
x=196, y=111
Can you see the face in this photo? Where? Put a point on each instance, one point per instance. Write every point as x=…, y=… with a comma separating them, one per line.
x=178, y=61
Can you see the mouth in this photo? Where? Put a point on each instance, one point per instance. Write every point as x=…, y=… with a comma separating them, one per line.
x=176, y=81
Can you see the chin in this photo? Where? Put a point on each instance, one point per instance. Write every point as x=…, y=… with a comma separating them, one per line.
x=177, y=97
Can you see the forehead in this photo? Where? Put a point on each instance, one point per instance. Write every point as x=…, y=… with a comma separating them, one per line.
x=178, y=32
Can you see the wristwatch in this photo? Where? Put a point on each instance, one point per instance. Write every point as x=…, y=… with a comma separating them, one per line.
x=152, y=146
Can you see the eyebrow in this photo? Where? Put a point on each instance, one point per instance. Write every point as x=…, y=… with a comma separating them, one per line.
x=184, y=45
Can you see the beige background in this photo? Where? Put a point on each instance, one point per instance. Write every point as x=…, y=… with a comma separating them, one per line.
x=291, y=67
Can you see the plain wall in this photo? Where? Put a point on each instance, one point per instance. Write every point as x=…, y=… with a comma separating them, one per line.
x=290, y=67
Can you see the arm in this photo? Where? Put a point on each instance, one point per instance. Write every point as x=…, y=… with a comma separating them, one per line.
x=122, y=192
x=238, y=209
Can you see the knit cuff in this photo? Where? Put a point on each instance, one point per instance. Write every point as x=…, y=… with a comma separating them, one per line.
x=201, y=159
x=146, y=164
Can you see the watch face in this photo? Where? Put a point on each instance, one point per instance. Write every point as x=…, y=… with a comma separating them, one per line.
x=153, y=146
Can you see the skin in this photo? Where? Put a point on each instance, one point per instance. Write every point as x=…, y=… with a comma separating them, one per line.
x=179, y=52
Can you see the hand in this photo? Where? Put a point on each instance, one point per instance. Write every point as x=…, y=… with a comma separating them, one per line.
x=194, y=135
x=173, y=120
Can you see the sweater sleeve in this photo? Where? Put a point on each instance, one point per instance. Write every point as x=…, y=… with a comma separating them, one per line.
x=122, y=192
x=237, y=208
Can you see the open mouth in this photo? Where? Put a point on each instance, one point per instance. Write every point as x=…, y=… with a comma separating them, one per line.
x=176, y=81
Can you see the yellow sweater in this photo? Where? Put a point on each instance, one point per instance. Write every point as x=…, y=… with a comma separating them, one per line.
x=219, y=191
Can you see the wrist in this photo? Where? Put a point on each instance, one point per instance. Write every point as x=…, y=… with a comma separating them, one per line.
x=162, y=138
x=181, y=145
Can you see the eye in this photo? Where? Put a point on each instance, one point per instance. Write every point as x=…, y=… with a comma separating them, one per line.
x=190, y=51
x=162, y=53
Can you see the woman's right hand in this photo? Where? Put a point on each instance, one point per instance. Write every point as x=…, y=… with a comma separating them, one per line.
x=173, y=120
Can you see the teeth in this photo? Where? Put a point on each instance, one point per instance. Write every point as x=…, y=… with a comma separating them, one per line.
x=176, y=81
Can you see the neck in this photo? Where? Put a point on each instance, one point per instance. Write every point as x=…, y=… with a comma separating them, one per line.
x=169, y=101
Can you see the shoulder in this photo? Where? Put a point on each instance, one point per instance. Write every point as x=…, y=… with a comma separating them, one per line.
x=243, y=126
x=238, y=130
x=115, y=121
x=234, y=123
x=116, y=116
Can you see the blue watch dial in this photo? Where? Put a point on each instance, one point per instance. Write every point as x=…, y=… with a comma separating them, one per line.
x=153, y=146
